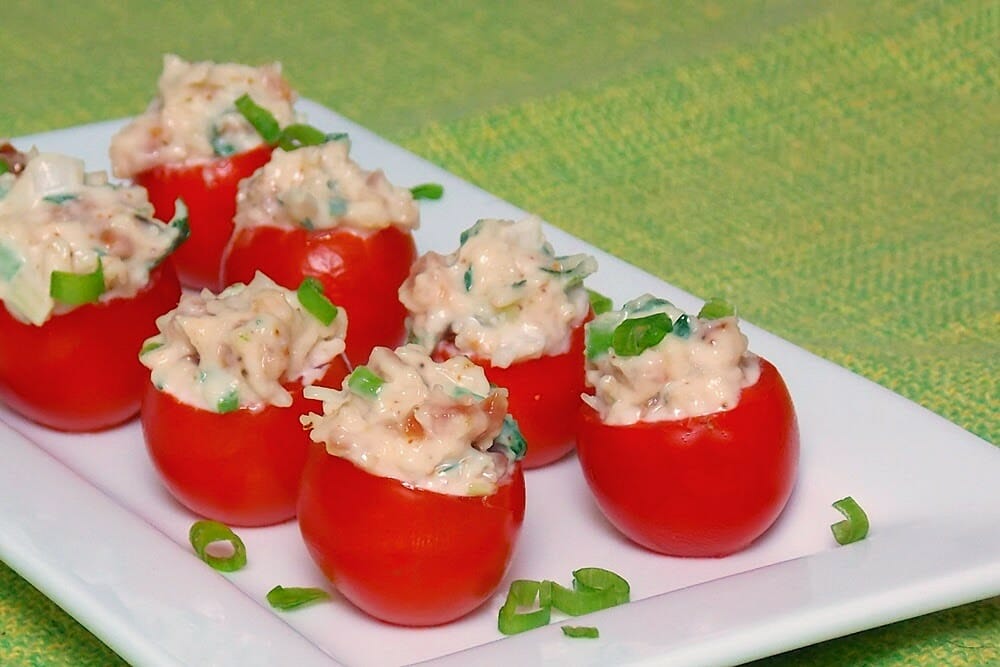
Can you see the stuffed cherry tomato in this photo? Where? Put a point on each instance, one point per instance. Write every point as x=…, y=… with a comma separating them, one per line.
x=221, y=413
x=508, y=303
x=413, y=498
x=193, y=144
x=313, y=211
x=84, y=273
x=690, y=443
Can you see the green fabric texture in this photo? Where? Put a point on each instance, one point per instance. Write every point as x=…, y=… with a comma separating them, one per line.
x=828, y=166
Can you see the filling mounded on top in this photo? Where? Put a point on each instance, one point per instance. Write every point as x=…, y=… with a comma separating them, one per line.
x=193, y=117
x=319, y=187
x=241, y=347
x=69, y=237
x=434, y=426
x=652, y=362
x=503, y=296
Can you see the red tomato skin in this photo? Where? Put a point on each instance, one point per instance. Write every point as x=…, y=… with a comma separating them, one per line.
x=703, y=486
x=209, y=191
x=360, y=272
x=407, y=556
x=80, y=370
x=242, y=468
x=543, y=396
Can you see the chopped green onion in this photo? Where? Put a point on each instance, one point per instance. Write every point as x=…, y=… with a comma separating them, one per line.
x=284, y=599
x=598, y=338
x=594, y=588
x=427, y=191
x=182, y=225
x=149, y=346
x=572, y=268
x=599, y=303
x=682, y=327
x=3, y=167
x=262, y=120
x=59, y=199
x=310, y=294
x=510, y=442
x=75, y=289
x=298, y=135
x=467, y=279
x=470, y=232
x=205, y=533
x=633, y=337
x=716, y=309
x=10, y=262
x=221, y=147
x=230, y=402
x=525, y=593
x=855, y=526
x=364, y=383
x=581, y=631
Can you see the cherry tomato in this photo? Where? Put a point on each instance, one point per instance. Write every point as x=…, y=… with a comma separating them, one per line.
x=209, y=192
x=360, y=271
x=407, y=556
x=543, y=396
x=703, y=486
x=80, y=370
x=241, y=468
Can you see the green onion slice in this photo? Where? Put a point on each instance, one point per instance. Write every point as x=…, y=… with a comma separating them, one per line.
x=150, y=345
x=427, y=191
x=364, y=383
x=284, y=599
x=75, y=289
x=716, y=309
x=310, y=293
x=60, y=199
x=298, y=135
x=262, y=120
x=682, y=327
x=181, y=223
x=594, y=588
x=205, y=533
x=525, y=593
x=599, y=303
x=634, y=336
x=3, y=167
x=510, y=442
x=230, y=402
x=855, y=526
x=581, y=631
x=467, y=279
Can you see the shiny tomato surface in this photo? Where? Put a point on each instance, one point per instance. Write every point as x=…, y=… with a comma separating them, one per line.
x=80, y=370
x=703, y=486
x=241, y=468
x=543, y=396
x=403, y=555
x=360, y=271
x=209, y=191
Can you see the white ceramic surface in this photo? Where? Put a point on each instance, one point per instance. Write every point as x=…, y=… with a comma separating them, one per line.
x=84, y=518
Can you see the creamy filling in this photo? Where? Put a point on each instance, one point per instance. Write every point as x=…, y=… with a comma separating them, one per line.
x=699, y=368
x=318, y=187
x=56, y=217
x=241, y=347
x=503, y=296
x=433, y=426
x=193, y=118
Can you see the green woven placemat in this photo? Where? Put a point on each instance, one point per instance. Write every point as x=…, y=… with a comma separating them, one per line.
x=829, y=166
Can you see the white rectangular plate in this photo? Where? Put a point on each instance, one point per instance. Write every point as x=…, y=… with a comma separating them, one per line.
x=84, y=518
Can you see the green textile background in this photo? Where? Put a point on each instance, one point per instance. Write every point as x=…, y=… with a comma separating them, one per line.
x=829, y=166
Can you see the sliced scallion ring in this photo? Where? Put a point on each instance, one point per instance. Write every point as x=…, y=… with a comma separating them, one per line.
x=310, y=294
x=594, y=588
x=262, y=120
x=284, y=599
x=855, y=526
x=427, y=191
x=205, y=533
x=76, y=289
x=364, y=383
x=580, y=631
x=525, y=593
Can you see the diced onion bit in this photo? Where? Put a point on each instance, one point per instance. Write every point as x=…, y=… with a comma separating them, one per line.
x=310, y=294
x=205, y=533
x=716, y=309
x=634, y=336
x=594, y=588
x=262, y=120
x=599, y=303
x=75, y=289
x=581, y=631
x=364, y=383
x=855, y=525
x=284, y=599
x=427, y=191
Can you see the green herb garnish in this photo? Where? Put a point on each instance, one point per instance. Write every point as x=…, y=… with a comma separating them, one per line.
x=298, y=135
x=10, y=262
x=580, y=631
x=230, y=402
x=716, y=309
x=262, y=120
x=312, y=298
x=284, y=599
x=76, y=289
x=594, y=588
x=365, y=383
x=427, y=191
x=525, y=593
x=60, y=199
x=599, y=303
x=205, y=533
x=854, y=527
x=634, y=336
x=510, y=441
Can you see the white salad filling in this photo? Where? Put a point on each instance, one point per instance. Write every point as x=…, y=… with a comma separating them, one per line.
x=238, y=348
x=193, y=119
x=433, y=426
x=318, y=187
x=503, y=296
x=56, y=217
x=698, y=368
